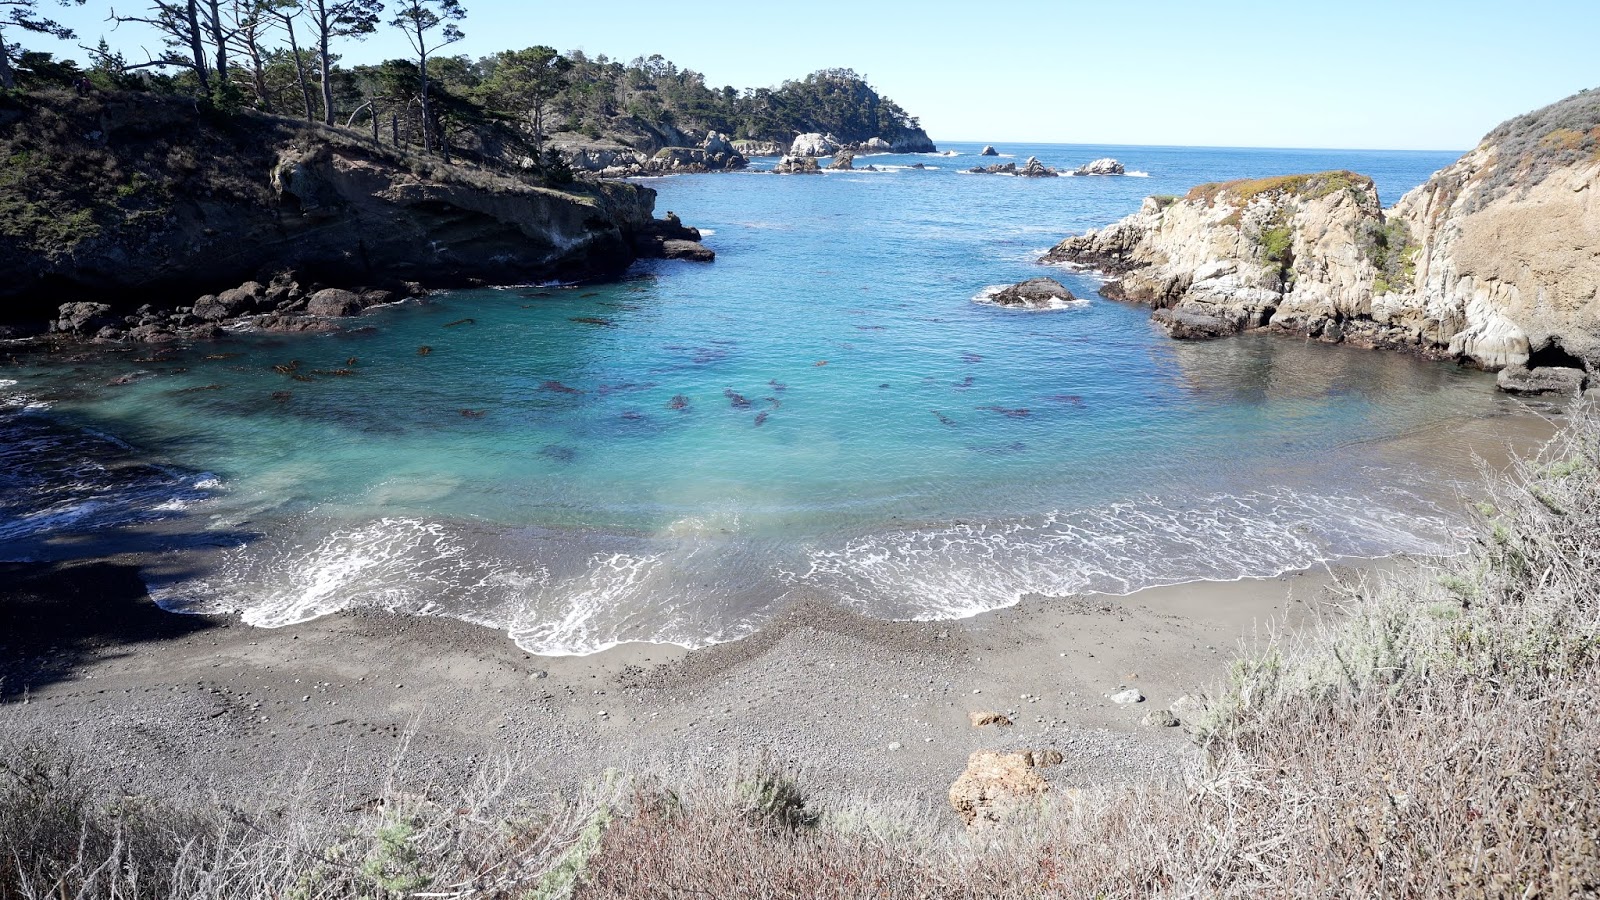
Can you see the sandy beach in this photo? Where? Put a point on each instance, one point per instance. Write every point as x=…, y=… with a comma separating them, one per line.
x=169, y=706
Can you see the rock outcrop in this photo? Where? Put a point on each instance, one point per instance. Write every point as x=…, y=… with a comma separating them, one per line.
x=1035, y=169
x=999, y=786
x=758, y=148
x=988, y=151
x=1104, y=166
x=843, y=161
x=813, y=144
x=797, y=165
x=875, y=145
x=1491, y=261
x=1035, y=293
x=996, y=169
x=260, y=194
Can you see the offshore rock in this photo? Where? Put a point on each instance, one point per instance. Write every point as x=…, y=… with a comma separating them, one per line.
x=988, y=151
x=997, y=169
x=334, y=303
x=1035, y=293
x=843, y=161
x=797, y=165
x=1105, y=166
x=1035, y=169
x=876, y=145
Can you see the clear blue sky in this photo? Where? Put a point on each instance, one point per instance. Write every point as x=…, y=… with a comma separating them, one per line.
x=1391, y=74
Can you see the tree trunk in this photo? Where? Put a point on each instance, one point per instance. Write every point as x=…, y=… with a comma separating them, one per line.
x=326, y=66
x=258, y=75
x=221, y=43
x=299, y=68
x=427, y=111
x=8, y=78
x=196, y=46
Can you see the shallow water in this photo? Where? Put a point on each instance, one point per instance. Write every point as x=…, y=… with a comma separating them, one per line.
x=825, y=411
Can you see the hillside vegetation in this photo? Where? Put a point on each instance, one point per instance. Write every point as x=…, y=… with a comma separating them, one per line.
x=1439, y=740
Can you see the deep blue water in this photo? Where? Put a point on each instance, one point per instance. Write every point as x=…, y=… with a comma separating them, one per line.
x=825, y=412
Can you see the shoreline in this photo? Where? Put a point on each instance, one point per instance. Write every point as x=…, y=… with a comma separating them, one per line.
x=179, y=706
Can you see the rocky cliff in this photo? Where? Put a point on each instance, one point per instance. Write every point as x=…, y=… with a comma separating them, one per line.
x=132, y=198
x=1494, y=261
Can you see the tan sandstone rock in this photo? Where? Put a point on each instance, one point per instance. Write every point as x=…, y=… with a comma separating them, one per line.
x=997, y=786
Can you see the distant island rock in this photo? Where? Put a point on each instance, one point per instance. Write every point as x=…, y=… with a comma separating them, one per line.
x=1033, y=168
x=1490, y=262
x=996, y=169
x=1034, y=294
x=1105, y=166
x=988, y=151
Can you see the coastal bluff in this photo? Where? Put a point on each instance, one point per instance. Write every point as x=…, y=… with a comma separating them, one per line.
x=128, y=198
x=1493, y=261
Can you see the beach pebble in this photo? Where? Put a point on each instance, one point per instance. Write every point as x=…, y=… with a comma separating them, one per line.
x=1128, y=697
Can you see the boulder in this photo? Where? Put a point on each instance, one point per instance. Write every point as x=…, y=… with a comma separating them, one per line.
x=1160, y=718
x=843, y=161
x=230, y=303
x=334, y=302
x=980, y=719
x=1000, y=169
x=813, y=144
x=998, y=786
x=152, y=334
x=1185, y=325
x=1035, y=169
x=797, y=165
x=1127, y=697
x=84, y=318
x=1542, y=380
x=1105, y=166
x=988, y=151
x=877, y=145
x=1035, y=293
x=690, y=250
x=717, y=143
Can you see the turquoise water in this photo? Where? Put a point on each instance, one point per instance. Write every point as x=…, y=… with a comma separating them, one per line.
x=824, y=412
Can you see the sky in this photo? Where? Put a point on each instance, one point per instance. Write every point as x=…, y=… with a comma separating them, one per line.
x=1362, y=74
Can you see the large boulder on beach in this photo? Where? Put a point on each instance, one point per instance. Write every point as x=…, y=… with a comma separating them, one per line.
x=334, y=302
x=813, y=144
x=84, y=318
x=797, y=165
x=988, y=151
x=1519, y=379
x=1035, y=293
x=1035, y=169
x=999, y=786
x=1105, y=166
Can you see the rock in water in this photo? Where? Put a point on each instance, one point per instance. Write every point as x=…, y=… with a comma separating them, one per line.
x=1035, y=169
x=988, y=151
x=1520, y=379
x=84, y=318
x=998, y=786
x=877, y=145
x=690, y=250
x=1035, y=293
x=1105, y=166
x=797, y=165
x=814, y=144
x=843, y=161
x=334, y=302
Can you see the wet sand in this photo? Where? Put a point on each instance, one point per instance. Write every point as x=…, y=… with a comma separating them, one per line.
x=173, y=706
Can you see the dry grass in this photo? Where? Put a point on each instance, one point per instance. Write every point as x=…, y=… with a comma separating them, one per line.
x=1439, y=740
x=1310, y=187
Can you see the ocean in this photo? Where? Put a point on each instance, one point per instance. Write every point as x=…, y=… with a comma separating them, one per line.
x=827, y=412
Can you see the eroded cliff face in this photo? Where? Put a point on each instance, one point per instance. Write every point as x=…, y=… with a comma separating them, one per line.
x=1513, y=267
x=1494, y=261
x=128, y=199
